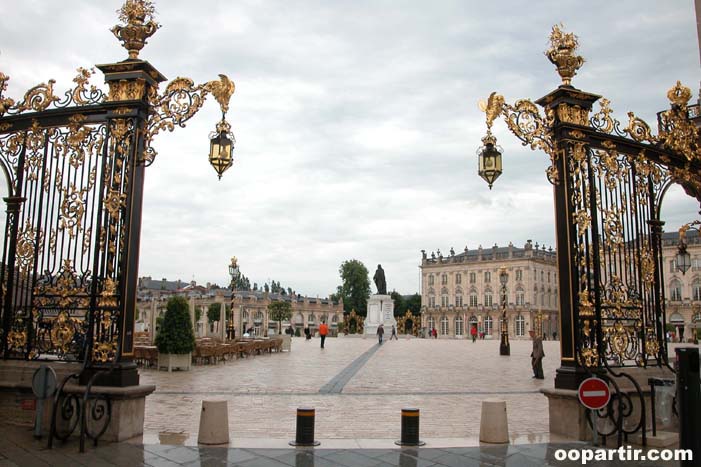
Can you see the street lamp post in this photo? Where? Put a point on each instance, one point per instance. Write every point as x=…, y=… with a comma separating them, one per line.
x=504, y=346
x=235, y=274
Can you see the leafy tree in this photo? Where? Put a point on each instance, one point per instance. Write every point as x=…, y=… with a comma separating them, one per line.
x=280, y=311
x=198, y=313
x=267, y=288
x=255, y=287
x=413, y=303
x=176, y=335
x=213, y=312
x=355, y=287
x=399, y=305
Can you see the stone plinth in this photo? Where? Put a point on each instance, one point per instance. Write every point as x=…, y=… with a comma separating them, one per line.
x=494, y=425
x=18, y=404
x=380, y=311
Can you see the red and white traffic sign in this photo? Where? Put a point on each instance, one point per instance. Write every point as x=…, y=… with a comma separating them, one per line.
x=594, y=393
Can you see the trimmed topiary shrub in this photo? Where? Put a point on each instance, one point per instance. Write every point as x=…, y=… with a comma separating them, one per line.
x=176, y=335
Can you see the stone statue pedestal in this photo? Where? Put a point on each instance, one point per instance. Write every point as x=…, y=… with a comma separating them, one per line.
x=380, y=310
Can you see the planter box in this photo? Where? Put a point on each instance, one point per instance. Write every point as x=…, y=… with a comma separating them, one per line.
x=173, y=360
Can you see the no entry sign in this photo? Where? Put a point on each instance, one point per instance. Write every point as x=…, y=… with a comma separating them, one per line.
x=594, y=393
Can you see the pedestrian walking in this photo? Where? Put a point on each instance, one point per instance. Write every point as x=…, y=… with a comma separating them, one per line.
x=394, y=333
x=380, y=333
x=473, y=333
x=308, y=333
x=537, y=356
x=435, y=333
x=323, y=331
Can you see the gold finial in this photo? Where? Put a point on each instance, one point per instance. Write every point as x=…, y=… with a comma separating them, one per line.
x=222, y=91
x=679, y=95
x=138, y=16
x=562, y=54
x=234, y=261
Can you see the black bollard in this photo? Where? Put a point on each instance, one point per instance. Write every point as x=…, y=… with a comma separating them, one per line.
x=305, y=429
x=410, y=428
x=689, y=402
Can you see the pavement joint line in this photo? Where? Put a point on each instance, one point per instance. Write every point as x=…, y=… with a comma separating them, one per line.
x=338, y=382
x=312, y=392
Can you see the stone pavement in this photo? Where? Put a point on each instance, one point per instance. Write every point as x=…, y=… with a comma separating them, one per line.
x=445, y=378
x=19, y=449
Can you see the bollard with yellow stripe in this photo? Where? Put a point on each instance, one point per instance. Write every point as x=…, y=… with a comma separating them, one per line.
x=410, y=428
x=305, y=428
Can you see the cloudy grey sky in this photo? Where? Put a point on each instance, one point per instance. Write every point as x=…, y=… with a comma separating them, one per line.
x=356, y=121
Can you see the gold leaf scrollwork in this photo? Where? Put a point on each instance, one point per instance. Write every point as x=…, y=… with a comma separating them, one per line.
x=639, y=130
x=16, y=340
x=26, y=241
x=62, y=332
x=38, y=98
x=127, y=90
x=582, y=220
x=222, y=91
x=588, y=357
x=114, y=202
x=72, y=210
x=586, y=307
x=567, y=113
x=104, y=351
x=602, y=119
x=359, y=321
x=108, y=296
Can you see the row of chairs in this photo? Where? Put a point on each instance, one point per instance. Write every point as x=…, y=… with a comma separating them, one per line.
x=210, y=351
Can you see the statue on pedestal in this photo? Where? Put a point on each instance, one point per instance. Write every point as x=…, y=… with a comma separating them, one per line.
x=380, y=282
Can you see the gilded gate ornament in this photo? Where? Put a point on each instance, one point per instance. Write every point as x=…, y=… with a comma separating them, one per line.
x=562, y=54
x=140, y=25
x=62, y=332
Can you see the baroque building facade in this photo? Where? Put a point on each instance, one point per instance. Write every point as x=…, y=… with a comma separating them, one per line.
x=682, y=291
x=463, y=290
x=250, y=310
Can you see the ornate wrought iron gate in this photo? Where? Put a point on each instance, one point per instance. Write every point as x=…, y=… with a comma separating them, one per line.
x=608, y=182
x=75, y=171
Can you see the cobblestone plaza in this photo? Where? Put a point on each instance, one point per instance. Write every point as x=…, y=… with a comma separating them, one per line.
x=358, y=389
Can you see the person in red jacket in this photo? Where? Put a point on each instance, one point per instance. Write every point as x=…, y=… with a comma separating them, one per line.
x=323, y=331
x=473, y=333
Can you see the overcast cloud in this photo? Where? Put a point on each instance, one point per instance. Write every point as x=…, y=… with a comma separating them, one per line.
x=356, y=122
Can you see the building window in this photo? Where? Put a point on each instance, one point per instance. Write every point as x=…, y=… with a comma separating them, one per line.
x=473, y=298
x=458, y=300
x=488, y=325
x=444, y=300
x=431, y=301
x=696, y=290
x=488, y=298
x=520, y=297
x=675, y=291
x=519, y=275
x=444, y=279
x=695, y=263
x=458, y=326
x=520, y=326
x=473, y=277
x=431, y=323
x=487, y=276
x=444, y=326
x=542, y=276
x=430, y=279
x=458, y=278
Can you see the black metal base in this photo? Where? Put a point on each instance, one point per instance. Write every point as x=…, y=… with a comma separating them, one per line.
x=296, y=444
x=504, y=349
x=568, y=377
x=124, y=374
x=419, y=443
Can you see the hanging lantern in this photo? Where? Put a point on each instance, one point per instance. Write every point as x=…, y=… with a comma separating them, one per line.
x=489, y=159
x=221, y=147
